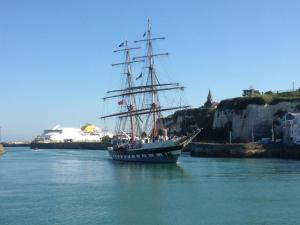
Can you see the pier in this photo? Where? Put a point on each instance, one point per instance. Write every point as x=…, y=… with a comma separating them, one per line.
x=70, y=145
x=16, y=144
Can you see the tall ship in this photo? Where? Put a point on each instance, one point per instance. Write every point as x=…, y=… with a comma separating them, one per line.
x=141, y=136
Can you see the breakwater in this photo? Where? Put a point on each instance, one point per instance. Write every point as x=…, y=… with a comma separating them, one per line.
x=16, y=144
x=244, y=150
x=70, y=145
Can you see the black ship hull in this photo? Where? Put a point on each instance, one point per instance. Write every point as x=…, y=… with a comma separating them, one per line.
x=150, y=155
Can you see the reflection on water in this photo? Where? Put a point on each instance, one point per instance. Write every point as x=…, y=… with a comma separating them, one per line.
x=148, y=171
x=140, y=190
x=86, y=187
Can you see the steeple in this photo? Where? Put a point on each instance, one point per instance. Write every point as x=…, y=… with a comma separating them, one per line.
x=209, y=101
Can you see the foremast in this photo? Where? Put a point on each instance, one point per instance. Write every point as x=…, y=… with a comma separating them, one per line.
x=128, y=99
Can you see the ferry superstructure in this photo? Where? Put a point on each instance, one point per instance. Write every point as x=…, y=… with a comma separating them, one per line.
x=86, y=133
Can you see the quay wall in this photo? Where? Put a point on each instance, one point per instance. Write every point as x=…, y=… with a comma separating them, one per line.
x=5, y=144
x=244, y=150
x=70, y=145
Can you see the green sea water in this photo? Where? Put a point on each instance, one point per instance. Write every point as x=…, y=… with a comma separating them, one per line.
x=67, y=187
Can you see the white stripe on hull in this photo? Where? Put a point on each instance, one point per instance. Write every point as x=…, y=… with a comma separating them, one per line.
x=170, y=156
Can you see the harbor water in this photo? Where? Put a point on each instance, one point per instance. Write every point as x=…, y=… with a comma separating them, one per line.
x=67, y=187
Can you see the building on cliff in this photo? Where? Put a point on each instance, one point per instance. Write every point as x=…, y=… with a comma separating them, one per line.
x=292, y=128
x=250, y=92
x=209, y=102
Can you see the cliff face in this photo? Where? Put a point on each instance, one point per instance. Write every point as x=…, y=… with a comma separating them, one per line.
x=259, y=114
x=185, y=121
x=257, y=117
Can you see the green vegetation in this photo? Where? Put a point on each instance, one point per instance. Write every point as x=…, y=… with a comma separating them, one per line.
x=241, y=103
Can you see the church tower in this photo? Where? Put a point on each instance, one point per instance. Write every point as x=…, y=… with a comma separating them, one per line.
x=209, y=101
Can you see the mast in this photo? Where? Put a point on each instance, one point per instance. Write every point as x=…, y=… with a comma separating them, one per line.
x=130, y=99
x=152, y=75
x=129, y=80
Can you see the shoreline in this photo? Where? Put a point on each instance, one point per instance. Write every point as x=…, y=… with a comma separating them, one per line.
x=195, y=149
x=5, y=144
x=244, y=150
x=70, y=145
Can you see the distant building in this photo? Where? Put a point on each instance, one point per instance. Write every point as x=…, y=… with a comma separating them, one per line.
x=250, y=92
x=209, y=102
x=291, y=128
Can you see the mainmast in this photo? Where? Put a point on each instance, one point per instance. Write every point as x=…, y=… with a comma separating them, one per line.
x=153, y=80
x=152, y=75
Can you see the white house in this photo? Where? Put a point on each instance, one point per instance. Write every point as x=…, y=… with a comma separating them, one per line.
x=292, y=128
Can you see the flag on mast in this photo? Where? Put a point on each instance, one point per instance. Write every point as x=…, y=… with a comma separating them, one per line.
x=144, y=34
x=121, y=102
x=121, y=45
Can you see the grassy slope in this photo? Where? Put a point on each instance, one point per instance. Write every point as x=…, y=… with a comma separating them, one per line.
x=241, y=103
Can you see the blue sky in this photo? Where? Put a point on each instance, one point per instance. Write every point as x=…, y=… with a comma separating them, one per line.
x=55, y=56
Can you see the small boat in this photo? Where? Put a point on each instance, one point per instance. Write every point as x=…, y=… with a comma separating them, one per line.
x=142, y=136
